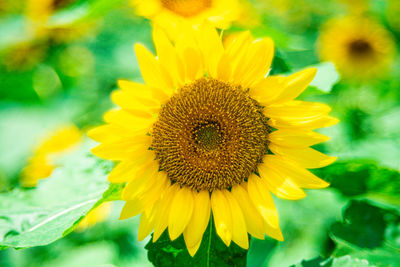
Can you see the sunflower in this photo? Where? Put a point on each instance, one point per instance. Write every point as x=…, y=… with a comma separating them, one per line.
x=171, y=13
x=209, y=132
x=358, y=46
x=42, y=163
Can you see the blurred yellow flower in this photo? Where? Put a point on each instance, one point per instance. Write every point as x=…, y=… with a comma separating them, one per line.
x=42, y=164
x=209, y=132
x=169, y=14
x=359, y=47
x=97, y=215
x=38, y=13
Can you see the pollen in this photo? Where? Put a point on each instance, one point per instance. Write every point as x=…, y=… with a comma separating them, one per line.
x=187, y=8
x=210, y=135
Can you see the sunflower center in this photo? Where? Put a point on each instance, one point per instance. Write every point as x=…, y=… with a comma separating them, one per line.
x=186, y=8
x=360, y=48
x=210, y=135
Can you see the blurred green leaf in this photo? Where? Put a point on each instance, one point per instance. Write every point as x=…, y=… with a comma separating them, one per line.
x=279, y=64
x=363, y=177
x=90, y=255
x=345, y=261
x=363, y=225
x=370, y=232
x=212, y=251
x=39, y=216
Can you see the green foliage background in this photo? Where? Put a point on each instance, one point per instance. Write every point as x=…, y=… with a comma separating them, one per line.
x=355, y=222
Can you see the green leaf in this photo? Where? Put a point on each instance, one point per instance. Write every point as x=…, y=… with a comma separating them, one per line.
x=39, y=216
x=113, y=192
x=363, y=225
x=345, y=261
x=363, y=177
x=315, y=262
x=279, y=64
x=369, y=232
x=212, y=251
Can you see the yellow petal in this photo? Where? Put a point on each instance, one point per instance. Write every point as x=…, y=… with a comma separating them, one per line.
x=257, y=64
x=191, y=55
x=228, y=61
x=303, y=123
x=274, y=232
x=299, y=175
x=222, y=216
x=143, y=177
x=241, y=41
x=143, y=200
x=135, y=105
x=146, y=226
x=146, y=200
x=193, y=249
x=306, y=157
x=211, y=47
x=199, y=220
x=125, y=119
x=120, y=150
x=268, y=89
x=296, y=84
x=131, y=209
x=254, y=222
x=281, y=185
x=151, y=70
x=168, y=56
x=297, y=110
x=126, y=170
x=145, y=92
x=193, y=64
x=109, y=133
x=262, y=200
x=181, y=212
x=150, y=194
x=163, y=210
x=239, y=230
x=296, y=139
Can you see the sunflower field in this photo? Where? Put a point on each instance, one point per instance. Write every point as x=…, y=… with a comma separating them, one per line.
x=199, y=133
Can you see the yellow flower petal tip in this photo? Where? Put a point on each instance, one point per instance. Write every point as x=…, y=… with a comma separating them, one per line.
x=280, y=237
x=192, y=250
x=164, y=124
